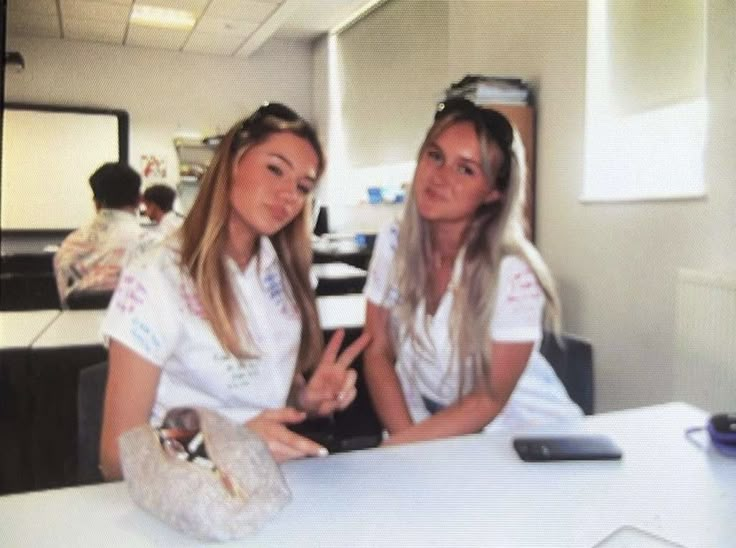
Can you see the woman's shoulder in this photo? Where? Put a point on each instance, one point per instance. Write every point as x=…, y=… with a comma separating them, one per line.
x=162, y=256
x=514, y=263
x=387, y=239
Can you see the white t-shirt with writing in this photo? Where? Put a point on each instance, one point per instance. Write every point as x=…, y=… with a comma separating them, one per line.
x=169, y=223
x=91, y=257
x=431, y=370
x=156, y=313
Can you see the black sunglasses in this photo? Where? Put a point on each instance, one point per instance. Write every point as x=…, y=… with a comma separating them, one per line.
x=495, y=122
x=275, y=110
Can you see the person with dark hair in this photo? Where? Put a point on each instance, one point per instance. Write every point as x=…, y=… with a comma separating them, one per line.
x=159, y=203
x=90, y=258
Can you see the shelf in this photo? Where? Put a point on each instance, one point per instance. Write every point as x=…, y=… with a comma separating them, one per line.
x=194, y=153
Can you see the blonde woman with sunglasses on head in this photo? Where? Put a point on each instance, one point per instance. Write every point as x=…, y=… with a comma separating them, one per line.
x=456, y=292
x=222, y=315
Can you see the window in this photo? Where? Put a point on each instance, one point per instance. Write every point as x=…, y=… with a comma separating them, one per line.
x=646, y=111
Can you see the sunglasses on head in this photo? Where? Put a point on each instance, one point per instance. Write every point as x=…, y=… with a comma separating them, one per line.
x=494, y=122
x=274, y=110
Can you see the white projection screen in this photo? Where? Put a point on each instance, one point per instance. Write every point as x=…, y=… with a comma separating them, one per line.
x=48, y=154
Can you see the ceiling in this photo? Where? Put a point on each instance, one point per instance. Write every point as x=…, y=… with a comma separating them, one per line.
x=222, y=27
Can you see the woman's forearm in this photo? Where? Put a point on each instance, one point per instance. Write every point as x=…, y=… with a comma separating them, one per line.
x=386, y=394
x=470, y=414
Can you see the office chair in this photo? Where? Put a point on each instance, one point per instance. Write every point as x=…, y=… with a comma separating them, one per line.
x=90, y=401
x=573, y=363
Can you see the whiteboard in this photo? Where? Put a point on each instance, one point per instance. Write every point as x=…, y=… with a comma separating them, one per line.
x=47, y=158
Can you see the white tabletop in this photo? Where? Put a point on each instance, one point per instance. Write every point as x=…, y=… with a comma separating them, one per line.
x=336, y=311
x=337, y=271
x=20, y=329
x=82, y=327
x=469, y=491
x=73, y=328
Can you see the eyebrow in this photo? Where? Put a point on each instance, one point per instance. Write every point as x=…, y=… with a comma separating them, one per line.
x=284, y=159
x=433, y=144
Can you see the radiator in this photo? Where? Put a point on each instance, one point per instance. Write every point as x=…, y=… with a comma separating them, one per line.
x=705, y=363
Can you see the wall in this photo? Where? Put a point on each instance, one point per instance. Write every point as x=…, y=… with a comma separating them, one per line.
x=616, y=263
x=164, y=92
x=380, y=80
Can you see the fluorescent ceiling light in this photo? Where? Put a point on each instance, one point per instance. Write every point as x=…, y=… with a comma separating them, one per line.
x=151, y=16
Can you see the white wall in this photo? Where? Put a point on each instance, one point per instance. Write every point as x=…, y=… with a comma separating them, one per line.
x=616, y=263
x=164, y=92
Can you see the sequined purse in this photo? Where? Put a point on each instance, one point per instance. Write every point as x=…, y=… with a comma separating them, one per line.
x=203, y=474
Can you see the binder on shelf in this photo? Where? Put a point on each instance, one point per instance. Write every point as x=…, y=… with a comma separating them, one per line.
x=491, y=89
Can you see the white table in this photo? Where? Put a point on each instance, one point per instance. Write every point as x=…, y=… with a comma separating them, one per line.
x=333, y=271
x=341, y=311
x=20, y=329
x=82, y=327
x=72, y=328
x=468, y=491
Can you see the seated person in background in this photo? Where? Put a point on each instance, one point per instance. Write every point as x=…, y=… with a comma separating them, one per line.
x=90, y=258
x=456, y=292
x=222, y=315
x=159, y=202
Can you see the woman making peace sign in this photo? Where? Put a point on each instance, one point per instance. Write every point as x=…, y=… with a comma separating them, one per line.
x=222, y=315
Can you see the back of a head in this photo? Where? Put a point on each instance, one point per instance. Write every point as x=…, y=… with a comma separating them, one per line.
x=116, y=186
x=161, y=195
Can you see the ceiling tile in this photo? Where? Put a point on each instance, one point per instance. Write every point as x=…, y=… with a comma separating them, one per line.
x=46, y=26
x=98, y=11
x=156, y=38
x=216, y=44
x=117, y=2
x=39, y=7
x=96, y=31
x=216, y=25
x=194, y=6
x=248, y=10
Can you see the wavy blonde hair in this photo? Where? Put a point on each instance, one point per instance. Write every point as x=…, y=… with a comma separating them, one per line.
x=204, y=238
x=497, y=230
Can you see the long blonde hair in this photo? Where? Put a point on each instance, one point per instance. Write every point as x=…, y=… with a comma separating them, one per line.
x=497, y=230
x=204, y=238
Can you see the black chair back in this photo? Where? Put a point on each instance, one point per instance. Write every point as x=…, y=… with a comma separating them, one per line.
x=89, y=300
x=573, y=363
x=90, y=401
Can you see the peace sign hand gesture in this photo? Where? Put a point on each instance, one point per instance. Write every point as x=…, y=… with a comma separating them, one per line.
x=332, y=385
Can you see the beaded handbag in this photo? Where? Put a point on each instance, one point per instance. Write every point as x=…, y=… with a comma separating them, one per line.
x=203, y=474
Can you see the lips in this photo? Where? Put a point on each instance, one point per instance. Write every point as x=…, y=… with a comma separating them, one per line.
x=279, y=213
x=434, y=194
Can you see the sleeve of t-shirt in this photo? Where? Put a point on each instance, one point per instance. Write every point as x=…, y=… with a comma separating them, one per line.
x=143, y=313
x=377, y=285
x=519, y=303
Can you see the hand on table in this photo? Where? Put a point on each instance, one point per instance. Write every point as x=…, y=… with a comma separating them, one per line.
x=332, y=385
x=284, y=444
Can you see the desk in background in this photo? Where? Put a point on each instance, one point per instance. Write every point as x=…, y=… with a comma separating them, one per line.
x=334, y=248
x=338, y=278
x=27, y=274
x=18, y=330
x=71, y=343
x=469, y=491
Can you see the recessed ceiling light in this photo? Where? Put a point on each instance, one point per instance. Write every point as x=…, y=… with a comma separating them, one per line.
x=151, y=16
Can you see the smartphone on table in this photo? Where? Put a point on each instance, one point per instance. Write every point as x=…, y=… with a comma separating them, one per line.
x=556, y=448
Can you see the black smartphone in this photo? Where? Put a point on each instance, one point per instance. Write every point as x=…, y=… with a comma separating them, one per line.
x=339, y=444
x=581, y=447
